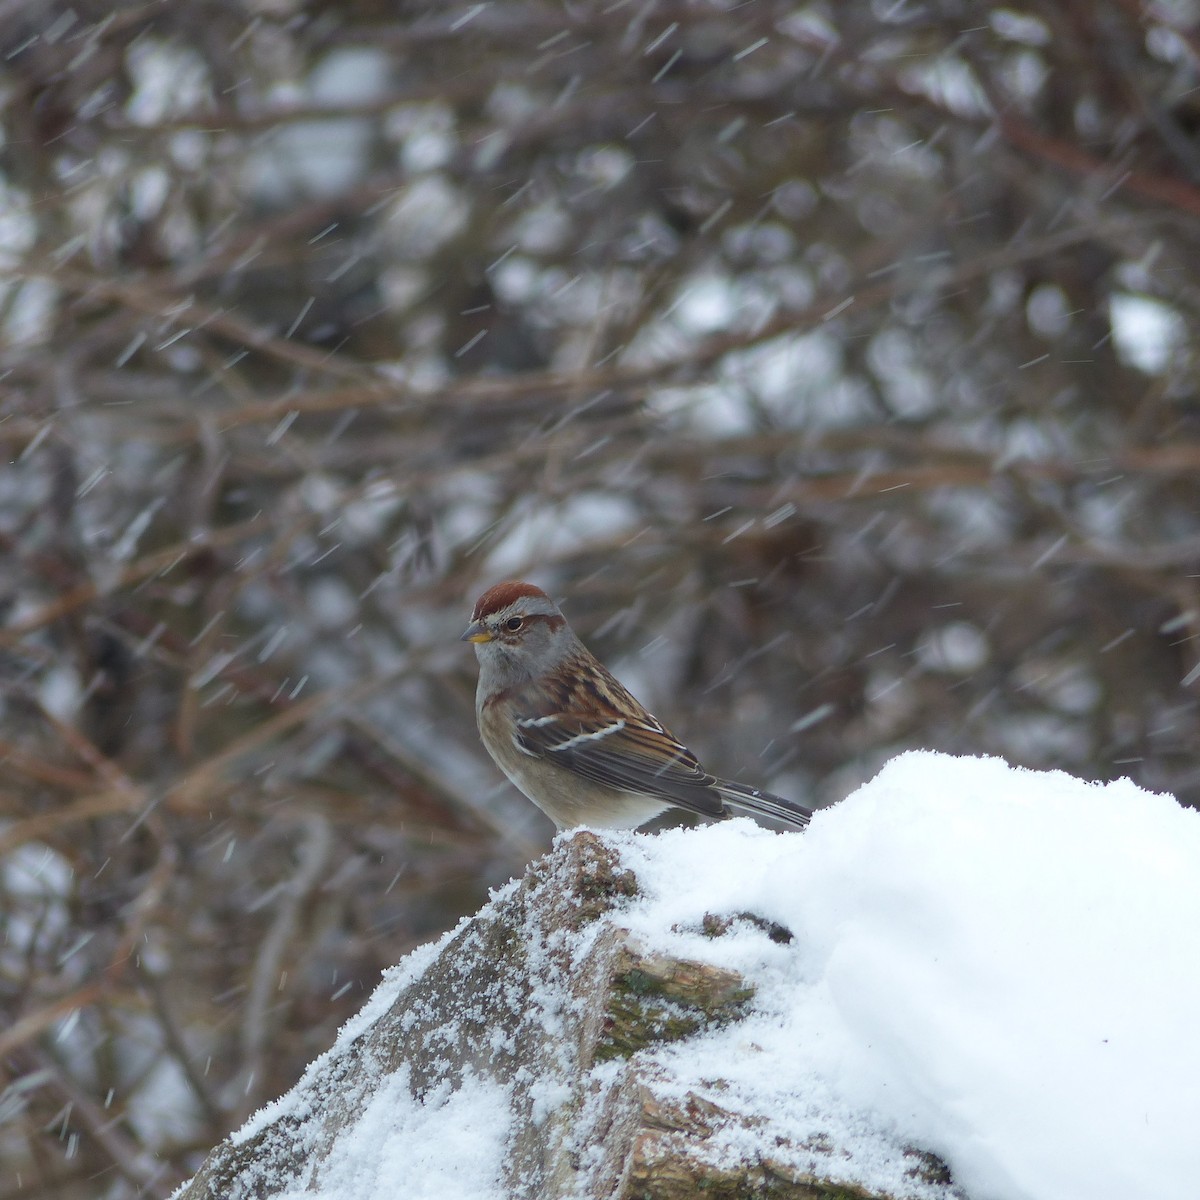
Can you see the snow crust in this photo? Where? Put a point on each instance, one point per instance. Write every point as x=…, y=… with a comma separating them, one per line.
x=994, y=964
x=444, y=1144
x=450, y=1143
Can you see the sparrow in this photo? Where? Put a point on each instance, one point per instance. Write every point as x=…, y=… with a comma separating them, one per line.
x=573, y=739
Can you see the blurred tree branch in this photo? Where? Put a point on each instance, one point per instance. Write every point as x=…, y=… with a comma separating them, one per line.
x=835, y=366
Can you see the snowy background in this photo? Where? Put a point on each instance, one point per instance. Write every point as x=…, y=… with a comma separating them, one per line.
x=833, y=363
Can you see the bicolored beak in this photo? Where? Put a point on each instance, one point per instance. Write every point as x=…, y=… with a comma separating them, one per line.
x=476, y=633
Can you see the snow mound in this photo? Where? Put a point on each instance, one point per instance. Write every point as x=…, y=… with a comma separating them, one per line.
x=1000, y=965
x=995, y=966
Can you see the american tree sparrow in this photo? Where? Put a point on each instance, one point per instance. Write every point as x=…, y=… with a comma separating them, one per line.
x=573, y=739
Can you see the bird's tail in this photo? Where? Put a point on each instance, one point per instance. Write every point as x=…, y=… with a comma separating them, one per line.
x=762, y=804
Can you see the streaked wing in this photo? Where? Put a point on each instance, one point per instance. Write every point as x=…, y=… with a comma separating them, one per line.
x=635, y=754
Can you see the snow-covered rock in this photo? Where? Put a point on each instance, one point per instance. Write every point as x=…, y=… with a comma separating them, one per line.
x=994, y=966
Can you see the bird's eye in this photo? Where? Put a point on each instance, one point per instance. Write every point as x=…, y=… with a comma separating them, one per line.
x=513, y=623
